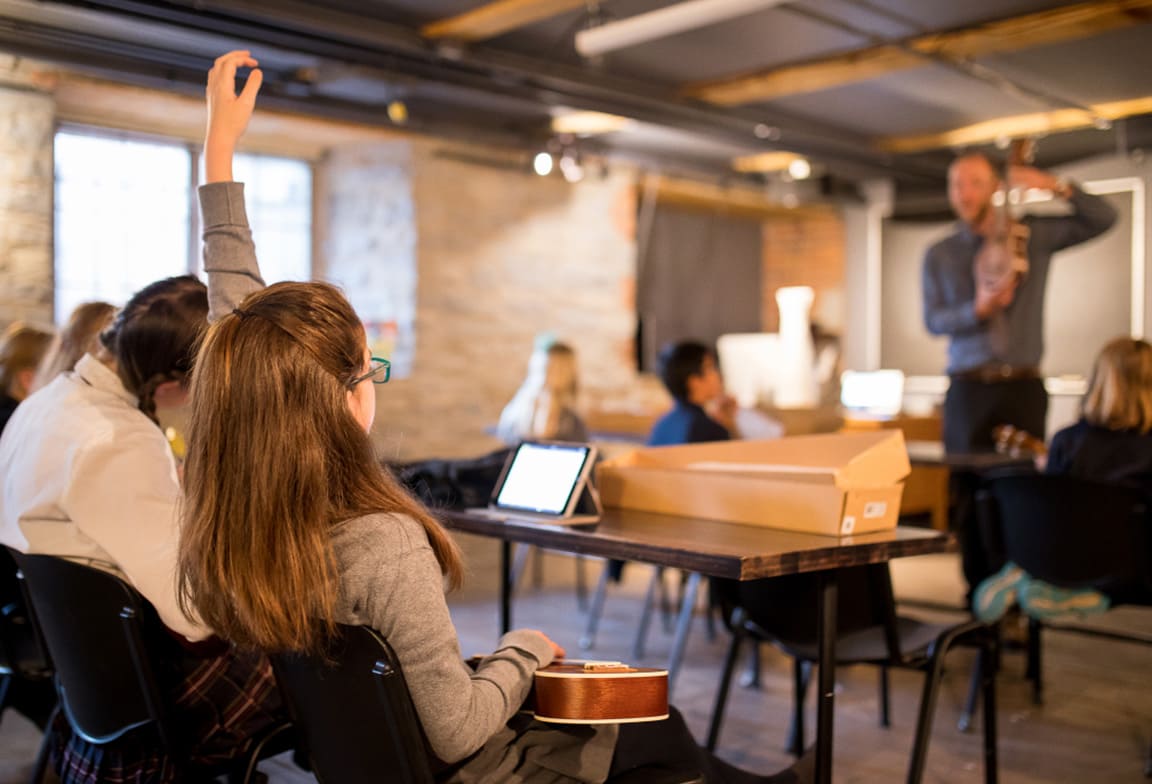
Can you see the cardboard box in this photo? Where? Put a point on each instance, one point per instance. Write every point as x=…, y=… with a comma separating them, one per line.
x=835, y=484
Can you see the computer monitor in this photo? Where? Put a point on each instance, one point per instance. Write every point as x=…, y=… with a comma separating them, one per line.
x=875, y=394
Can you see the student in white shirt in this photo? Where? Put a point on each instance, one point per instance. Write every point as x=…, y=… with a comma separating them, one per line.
x=88, y=474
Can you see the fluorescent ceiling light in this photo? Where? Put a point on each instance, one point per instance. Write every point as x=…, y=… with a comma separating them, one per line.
x=765, y=162
x=589, y=123
x=663, y=22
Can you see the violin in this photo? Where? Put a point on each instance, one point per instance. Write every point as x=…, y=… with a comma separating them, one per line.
x=1014, y=442
x=1003, y=258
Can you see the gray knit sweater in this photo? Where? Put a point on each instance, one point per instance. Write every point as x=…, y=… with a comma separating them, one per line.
x=390, y=580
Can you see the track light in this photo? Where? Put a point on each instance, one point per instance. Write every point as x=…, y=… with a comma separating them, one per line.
x=542, y=164
x=800, y=169
x=571, y=167
x=398, y=112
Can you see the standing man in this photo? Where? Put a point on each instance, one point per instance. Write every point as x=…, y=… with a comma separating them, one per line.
x=995, y=334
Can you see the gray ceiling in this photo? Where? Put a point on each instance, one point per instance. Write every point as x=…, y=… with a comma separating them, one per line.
x=349, y=58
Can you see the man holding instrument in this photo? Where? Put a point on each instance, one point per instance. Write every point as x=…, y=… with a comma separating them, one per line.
x=995, y=327
x=995, y=331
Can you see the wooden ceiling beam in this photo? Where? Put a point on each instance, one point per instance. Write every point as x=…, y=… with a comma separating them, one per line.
x=1011, y=34
x=1022, y=125
x=497, y=18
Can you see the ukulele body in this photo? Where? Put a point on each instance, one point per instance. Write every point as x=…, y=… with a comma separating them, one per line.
x=573, y=694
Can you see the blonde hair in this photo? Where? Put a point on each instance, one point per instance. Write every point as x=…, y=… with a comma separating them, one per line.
x=276, y=460
x=80, y=336
x=21, y=348
x=1119, y=393
x=550, y=388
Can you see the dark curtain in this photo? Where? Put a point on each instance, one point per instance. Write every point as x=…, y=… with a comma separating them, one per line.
x=698, y=277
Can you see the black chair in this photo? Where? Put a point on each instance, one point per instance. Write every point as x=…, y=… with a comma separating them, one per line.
x=104, y=640
x=352, y=710
x=25, y=670
x=784, y=611
x=1072, y=533
x=355, y=716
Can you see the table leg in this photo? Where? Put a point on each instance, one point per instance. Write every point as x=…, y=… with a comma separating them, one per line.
x=505, y=586
x=827, y=676
x=683, y=626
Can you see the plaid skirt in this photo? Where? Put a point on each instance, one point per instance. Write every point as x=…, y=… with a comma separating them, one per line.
x=218, y=705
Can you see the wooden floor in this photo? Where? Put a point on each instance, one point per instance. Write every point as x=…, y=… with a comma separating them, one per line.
x=1094, y=726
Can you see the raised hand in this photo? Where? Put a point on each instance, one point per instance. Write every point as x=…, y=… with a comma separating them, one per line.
x=228, y=112
x=1031, y=177
x=990, y=301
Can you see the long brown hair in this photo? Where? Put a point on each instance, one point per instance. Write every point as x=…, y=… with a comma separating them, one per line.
x=276, y=459
x=1119, y=393
x=79, y=336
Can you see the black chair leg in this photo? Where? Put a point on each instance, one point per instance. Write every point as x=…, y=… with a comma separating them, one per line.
x=655, y=585
x=725, y=685
x=974, y=684
x=668, y=604
x=581, y=584
x=1034, y=671
x=885, y=704
x=801, y=675
x=520, y=562
x=588, y=639
x=932, y=677
x=40, y=768
x=751, y=677
x=988, y=653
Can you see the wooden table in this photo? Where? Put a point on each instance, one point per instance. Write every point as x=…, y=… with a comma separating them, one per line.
x=932, y=453
x=714, y=549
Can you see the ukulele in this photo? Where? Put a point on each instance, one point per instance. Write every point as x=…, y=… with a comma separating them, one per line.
x=1003, y=258
x=576, y=692
x=1014, y=442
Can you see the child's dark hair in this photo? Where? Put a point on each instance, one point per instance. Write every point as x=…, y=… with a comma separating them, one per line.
x=154, y=338
x=678, y=361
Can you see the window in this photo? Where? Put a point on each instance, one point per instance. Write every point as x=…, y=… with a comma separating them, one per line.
x=122, y=217
x=125, y=211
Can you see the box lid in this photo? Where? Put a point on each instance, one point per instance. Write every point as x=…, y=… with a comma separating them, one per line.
x=847, y=460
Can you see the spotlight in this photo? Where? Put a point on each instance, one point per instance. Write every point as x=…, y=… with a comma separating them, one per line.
x=800, y=169
x=571, y=168
x=398, y=112
x=765, y=131
x=542, y=164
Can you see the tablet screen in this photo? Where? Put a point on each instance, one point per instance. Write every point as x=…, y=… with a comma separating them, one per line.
x=542, y=477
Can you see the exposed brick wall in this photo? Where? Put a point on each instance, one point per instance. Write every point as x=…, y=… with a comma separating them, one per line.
x=503, y=255
x=26, y=126
x=805, y=249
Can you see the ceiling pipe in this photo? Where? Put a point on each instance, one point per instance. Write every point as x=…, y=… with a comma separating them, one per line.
x=486, y=70
x=662, y=23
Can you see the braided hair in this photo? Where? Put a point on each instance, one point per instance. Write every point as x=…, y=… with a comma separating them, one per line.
x=155, y=336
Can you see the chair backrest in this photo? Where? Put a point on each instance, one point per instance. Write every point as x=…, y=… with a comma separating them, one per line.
x=1067, y=531
x=93, y=624
x=353, y=711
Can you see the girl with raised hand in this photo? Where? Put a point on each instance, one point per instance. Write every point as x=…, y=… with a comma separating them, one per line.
x=292, y=526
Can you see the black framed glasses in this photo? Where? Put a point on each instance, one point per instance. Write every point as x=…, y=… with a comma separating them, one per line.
x=380, y=370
